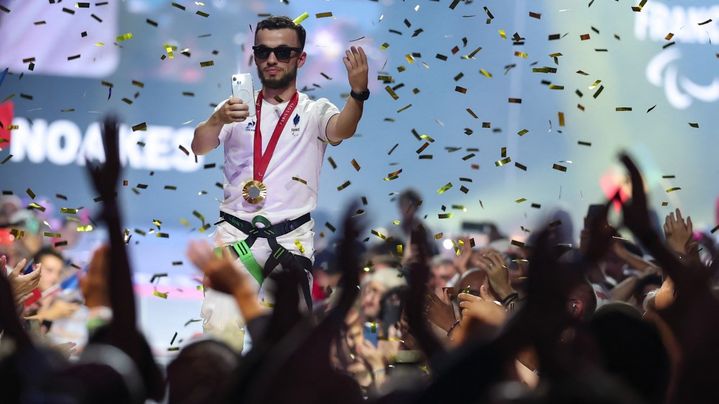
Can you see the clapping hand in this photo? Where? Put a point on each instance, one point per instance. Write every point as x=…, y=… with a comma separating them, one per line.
x=21, y=284
x=220, y=272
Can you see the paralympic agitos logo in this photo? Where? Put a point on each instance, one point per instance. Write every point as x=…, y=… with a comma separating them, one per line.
x=680, y=24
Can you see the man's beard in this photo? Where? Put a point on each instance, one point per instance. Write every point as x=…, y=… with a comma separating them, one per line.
x=278, y=83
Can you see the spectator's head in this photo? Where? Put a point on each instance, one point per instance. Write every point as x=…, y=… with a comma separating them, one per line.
x=374, y=286
x=354, y=336
x=632, y=350
x=9, y=205
x=52, y=266
x=201, y=372
x=278, y=51
x=582, y=301
x=443, y=270
x=409, y=202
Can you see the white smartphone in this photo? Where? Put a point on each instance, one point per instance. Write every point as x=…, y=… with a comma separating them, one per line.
x=242, y=88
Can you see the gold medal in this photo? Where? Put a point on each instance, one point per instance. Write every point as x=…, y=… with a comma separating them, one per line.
x=254, y=192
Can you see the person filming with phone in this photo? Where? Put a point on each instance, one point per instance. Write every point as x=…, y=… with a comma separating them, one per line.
x=274, y=146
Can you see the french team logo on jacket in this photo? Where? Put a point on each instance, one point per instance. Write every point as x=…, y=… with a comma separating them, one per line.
x=296, y=121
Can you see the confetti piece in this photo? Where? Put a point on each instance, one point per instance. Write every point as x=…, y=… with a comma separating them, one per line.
x=124, y=37
x=184, y=150
x=444, y=188
x=522, y=132
x=202, y=13
x=344, y=185
x=502, y=162
x=301, y=18
x=140, y=127
x=355, y=164
x=559, y=167
x=705, y=22
x=299, y=246
x=502, y=34
x=485, y=73
x=535, y=15
x=151, y=22
x=378, y=234
x=180, y=6
x=623, y=109
x=36, y=206
x=560, y=118
x=5, y=9
x=459, y=207
x=584, y=37
x=669, y=36
x=712, y=231
x=517, y=243
x=73, y=57
x=207, y=63
x=61, y=243
x=51, y=235
x=650, y=109
x=520, y=166
x=694, y=124
x=69, y=211
x=514, y=100
x=672, y=189
x=599, y=91
x=522, y=55
x=30, y=193
x=520, y=200
x=162, y=235
x=298, y=179
x=324, y=14
x=460, y=90
x=393, y=175
x=445, y=215
x=583, y=143
x=391, y=93
x=159, y=294
x=84, y=228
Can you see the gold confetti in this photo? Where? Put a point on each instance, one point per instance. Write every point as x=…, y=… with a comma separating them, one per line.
x=694, y=124
x=485, y=73
x=207, y=63
x=623, y=109
x=140, y=127
x=344, y=185
x=392, y=93
x=705, y=22
x=444, y=188
x=356, y=165
x=30, y=193
x=669, y=36
x=301, y=18
x=500, y=163
x=378, y=234
x=559, y=167
x=459, y=207
x=514, y=100
x=162, y=235
x=582, y=143
x=599, y=91
x=447, y=215
x=298, y=179
x=517, y=243
x=522, y=132
x=34, y=205
x=84, y=228
x=522, y=55
x=159, y=294
x=51, y=234
x=384, y=46
x=123, y=37
x=438, y=236
x=672, y=189
x=324, y=14
x=396, y=222
x=71, y=211
x=393, y=175
x=502, y=34
x=560, y=117
x=584, y=37
x=595, y=84
x=535, y=15
x=520, y=200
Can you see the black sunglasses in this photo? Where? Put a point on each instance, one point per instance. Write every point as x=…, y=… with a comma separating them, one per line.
x=283, y=53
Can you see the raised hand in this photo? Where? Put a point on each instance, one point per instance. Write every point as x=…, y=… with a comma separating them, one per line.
x=105, y=176
x=221, y=272
x=355, y=61
x=493, y=263
x=678, y=232
x=21, y=284
x=93, y=284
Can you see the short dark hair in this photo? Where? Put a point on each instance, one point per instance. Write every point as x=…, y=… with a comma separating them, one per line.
x=410, y=196
x=47, y=251
x=280, y=22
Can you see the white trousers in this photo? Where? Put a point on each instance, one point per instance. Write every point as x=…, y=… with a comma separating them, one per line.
x=220, y=315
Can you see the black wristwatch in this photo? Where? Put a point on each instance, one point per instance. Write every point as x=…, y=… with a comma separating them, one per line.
x=363, y=96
